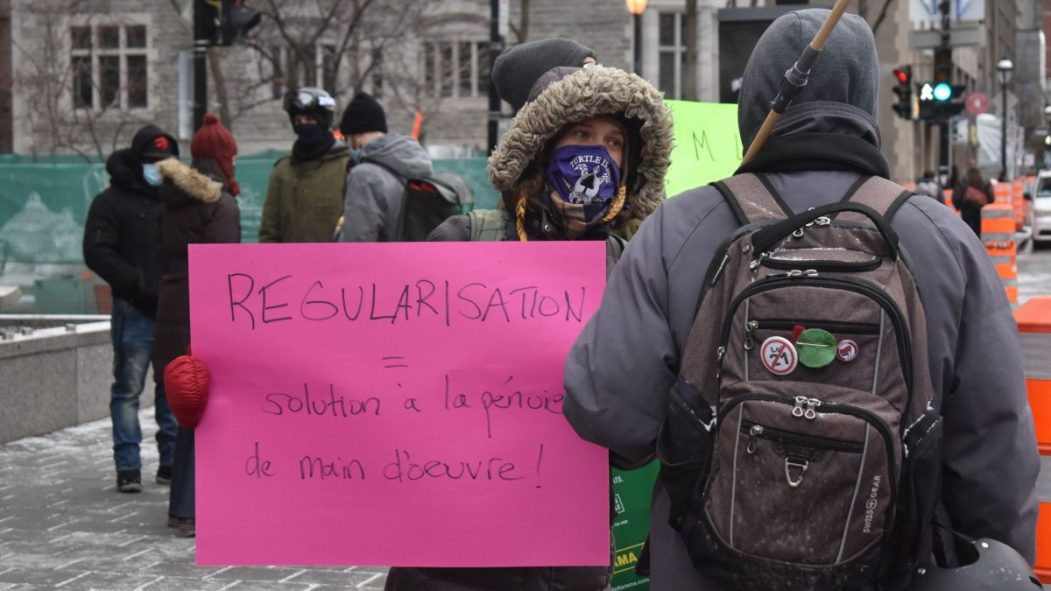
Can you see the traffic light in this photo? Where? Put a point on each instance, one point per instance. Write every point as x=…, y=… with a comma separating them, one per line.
x=940, y=101
x=903, y=90
x=235, y=21
x=943, y=65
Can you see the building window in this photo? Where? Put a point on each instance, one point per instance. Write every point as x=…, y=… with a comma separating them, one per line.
x=456, y=69
x=672, y=52
x=304, y=65
x=329, y=74
x=109, y=67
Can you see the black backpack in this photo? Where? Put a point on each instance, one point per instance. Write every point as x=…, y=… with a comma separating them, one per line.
x=802, y=448
x=429, y=201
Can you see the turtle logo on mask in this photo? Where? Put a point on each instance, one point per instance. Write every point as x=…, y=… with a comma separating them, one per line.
x=584, y=175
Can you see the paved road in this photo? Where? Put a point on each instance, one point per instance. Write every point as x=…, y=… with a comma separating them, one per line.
x=1034, y=273
x=64, y=526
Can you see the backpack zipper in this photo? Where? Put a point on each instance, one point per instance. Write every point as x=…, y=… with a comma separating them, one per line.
x=836, y=327
x=758, y=431
x=825, y=266
x=855, y=285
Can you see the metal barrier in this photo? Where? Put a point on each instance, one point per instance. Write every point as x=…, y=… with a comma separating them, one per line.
x=1034, y=331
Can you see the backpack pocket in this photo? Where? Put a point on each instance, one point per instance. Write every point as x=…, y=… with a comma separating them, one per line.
x=684, y=445
x=802, y=474
x=918, y=492
x=857, y=349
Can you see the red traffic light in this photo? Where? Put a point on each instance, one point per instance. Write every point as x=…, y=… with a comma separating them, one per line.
x=902, y=75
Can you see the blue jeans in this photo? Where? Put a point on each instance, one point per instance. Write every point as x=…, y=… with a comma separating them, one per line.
x=132, y=334
x=181, y=499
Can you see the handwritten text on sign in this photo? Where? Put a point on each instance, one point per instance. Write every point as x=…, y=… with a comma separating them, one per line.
x=395, y=404
x=707, y=145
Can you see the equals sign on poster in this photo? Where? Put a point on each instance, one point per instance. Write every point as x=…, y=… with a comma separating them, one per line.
x=394, y=361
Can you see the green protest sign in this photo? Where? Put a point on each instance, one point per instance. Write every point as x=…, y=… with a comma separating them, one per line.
x=707, y=144
x=632, y=491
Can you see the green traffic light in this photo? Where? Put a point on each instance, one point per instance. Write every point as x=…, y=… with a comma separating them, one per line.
x=942, y=91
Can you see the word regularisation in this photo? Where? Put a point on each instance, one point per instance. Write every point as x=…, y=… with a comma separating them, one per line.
x=258, y=302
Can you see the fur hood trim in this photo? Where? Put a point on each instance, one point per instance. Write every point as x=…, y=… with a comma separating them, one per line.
x=193, y=183
x=592, y=90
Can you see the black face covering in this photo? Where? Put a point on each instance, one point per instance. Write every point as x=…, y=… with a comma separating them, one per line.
x=314, y=141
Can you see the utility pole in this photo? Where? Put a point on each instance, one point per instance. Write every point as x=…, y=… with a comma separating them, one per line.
x=496, y=45
x=943, y=137
x=201, y=42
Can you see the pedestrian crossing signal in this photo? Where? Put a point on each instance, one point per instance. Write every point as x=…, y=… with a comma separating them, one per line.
x=940, y=101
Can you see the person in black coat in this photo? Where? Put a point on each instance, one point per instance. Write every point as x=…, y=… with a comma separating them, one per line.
x=120, y=245
x=199, y=207
x=971, y=196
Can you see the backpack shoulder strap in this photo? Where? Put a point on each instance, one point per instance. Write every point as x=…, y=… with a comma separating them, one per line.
x=615, y=246
x=880, y=194
x=386, y=167
x=488, y=225
x=751, y=199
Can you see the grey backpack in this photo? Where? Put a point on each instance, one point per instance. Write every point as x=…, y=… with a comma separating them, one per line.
x=801, y=448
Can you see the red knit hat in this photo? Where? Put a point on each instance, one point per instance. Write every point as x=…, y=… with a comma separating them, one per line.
x=214, y=141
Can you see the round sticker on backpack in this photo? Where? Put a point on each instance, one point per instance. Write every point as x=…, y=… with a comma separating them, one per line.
x=847, y=350
x=779, y=356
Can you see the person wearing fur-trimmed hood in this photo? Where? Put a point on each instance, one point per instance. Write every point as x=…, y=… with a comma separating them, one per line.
x=199, y=207
x=585, y=156
x=558, y=179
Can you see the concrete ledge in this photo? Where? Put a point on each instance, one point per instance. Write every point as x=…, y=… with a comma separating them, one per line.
x=56, y=375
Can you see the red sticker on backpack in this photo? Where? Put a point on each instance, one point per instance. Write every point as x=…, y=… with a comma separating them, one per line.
x=847, y=350
x=779, y=356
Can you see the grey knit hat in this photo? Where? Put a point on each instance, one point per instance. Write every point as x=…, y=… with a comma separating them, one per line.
x=517, y=69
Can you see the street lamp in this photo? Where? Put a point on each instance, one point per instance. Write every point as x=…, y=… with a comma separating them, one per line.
x=1004, y=66
x=636, y=8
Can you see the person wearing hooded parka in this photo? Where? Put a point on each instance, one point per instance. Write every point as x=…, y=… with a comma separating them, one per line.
x=585, y=157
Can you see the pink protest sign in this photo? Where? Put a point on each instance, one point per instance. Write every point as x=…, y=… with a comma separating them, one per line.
x=395, y=404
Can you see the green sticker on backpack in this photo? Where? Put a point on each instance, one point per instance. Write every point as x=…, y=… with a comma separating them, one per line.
x=816, y=347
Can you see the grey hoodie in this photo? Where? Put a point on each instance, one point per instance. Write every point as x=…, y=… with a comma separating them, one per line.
x=375, y=197
x=620, y=369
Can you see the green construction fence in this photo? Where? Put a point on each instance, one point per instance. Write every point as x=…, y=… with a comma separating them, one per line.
x=44, y=203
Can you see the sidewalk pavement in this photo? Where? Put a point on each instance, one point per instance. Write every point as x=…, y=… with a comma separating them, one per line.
x=64, y=526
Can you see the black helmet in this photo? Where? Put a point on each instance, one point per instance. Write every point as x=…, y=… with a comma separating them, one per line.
x=311, y=101
x=994, y=566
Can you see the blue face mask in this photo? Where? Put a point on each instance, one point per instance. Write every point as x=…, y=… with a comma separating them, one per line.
x=355, y=154
x=151, y=176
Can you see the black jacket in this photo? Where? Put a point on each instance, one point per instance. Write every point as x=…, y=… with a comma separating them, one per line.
x=195, y=211
x=120, y=235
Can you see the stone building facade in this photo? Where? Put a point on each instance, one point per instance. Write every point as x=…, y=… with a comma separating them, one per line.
x=86, y=74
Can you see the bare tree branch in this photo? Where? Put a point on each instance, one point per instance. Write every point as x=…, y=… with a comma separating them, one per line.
x=882, y=15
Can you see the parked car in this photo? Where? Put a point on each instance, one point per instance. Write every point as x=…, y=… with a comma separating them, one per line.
x=1041, y=220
